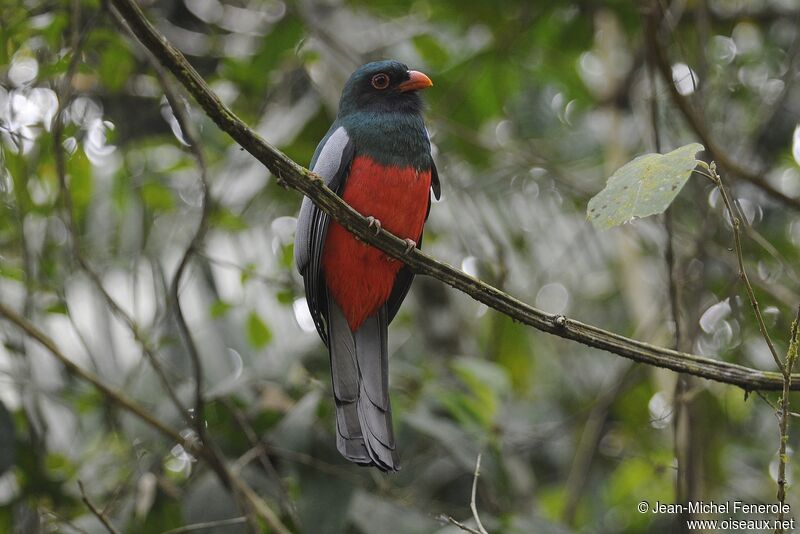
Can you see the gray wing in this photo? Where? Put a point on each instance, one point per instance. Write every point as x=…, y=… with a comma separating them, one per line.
x=402, y=284
x=332, y=162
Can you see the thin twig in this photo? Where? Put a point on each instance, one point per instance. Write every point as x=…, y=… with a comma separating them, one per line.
x=458, y=524
x=259, y=450
x=194, y=245
x=472, y=505
x=791, y=357
x=770, y=404
x=591, y=434
x=737, y=239
x=306, y=182
x=208, y=524
x=97, y=513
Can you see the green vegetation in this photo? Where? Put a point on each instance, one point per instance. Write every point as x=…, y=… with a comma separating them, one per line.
x=534, y=106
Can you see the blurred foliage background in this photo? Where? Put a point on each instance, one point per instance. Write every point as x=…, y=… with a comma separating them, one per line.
x=534, y=105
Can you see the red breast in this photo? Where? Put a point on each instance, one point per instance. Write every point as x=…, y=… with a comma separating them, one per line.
x=359, y=276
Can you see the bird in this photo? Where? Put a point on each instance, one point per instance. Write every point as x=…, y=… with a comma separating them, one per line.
x=377, y=157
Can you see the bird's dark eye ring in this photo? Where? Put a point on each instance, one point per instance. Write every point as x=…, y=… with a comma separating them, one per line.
x=380, y=81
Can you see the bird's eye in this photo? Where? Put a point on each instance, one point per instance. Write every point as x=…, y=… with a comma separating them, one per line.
x=380, y=81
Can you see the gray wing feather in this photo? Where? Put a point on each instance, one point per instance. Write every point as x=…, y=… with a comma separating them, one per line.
x=331, y=161
x=327, y=163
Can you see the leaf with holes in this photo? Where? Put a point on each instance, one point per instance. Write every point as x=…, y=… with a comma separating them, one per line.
x=645, y=186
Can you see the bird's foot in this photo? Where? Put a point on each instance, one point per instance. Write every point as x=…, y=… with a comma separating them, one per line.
x=374, y=223
x=410, y=245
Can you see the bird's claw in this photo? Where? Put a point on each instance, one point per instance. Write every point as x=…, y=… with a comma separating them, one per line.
x=373, y=222
x=410, y=245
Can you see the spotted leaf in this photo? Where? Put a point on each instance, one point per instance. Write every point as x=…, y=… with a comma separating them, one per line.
x=645, y=186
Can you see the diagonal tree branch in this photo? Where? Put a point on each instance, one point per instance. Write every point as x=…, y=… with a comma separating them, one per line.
x=301, y=179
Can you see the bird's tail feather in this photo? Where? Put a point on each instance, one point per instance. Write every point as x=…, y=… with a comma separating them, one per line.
x=359, y=368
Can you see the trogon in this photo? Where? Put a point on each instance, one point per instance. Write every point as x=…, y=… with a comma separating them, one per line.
x=377, y=157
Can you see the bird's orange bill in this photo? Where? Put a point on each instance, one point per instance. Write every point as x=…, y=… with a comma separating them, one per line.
x=416, y=81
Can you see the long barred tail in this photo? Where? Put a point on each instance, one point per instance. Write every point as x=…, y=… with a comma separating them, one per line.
x=360, y=372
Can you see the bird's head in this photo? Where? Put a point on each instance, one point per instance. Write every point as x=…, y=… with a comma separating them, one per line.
x=383, y=86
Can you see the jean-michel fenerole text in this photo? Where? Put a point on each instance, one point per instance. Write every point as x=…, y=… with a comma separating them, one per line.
x=725, y=507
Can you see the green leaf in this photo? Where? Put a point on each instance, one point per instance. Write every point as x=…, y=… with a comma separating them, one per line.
x=431, y=50
x=285, y=296
x=485, y=382
x=157, y=197
x=258, y=333
x=59, y=466
x=645, y=186
x=219, y=308
x=287, y=255
x=81, y=183
x=116, y=65
x=57, y=307
x=227, y=220
x=248, y=272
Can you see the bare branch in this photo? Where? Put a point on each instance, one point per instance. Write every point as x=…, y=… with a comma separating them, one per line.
x=589, y=440
x=473, y=506
x=259, y=451
x=208, y=524
x=98, y=514
x=737, y=239
x=785, y=415
x=459, y=524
